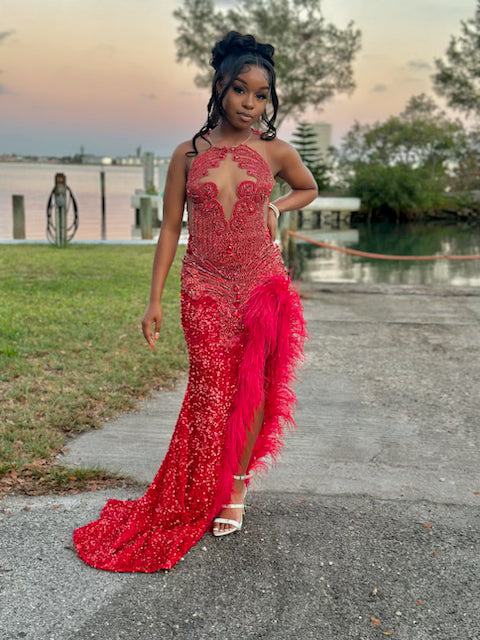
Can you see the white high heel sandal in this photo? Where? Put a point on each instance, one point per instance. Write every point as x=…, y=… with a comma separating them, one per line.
x=236, y=525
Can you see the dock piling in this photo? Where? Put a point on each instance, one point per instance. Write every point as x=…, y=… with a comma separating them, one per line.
x=18, y=205
x=146, y=218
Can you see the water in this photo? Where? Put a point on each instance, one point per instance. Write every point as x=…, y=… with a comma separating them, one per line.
x=317, y=264
x=35, y=182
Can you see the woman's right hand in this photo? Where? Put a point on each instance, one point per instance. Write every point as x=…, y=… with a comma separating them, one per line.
x=152, y=315
x=272, y=224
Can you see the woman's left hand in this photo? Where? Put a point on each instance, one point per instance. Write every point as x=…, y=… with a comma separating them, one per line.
x=272, y=224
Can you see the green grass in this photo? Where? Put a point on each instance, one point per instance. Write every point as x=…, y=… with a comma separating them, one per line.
x=72, y=353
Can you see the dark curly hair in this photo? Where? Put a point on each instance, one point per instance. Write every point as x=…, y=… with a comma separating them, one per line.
x=229, y=56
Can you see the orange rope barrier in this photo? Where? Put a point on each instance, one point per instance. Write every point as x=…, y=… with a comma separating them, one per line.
x=380, y=256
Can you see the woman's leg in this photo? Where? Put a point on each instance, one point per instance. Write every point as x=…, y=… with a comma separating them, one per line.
x=238, y=491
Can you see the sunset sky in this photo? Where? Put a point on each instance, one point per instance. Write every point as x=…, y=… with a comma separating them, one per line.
x=102, y=74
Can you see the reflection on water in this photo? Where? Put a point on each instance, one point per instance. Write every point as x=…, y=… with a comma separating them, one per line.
x=317, y=264
x=35, y=181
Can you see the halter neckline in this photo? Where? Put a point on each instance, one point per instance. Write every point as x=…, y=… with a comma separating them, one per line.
x=247, y=150
x=234, y=146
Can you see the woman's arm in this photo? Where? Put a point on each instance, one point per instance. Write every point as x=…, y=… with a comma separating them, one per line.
x=288, y=165
x=173, y=207
x=291, y=169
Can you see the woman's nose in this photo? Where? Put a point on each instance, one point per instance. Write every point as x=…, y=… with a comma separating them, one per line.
x=248, y=101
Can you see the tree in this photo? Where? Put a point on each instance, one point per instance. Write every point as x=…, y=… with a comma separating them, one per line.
x=313, y=58
x=304, y=139
x=405, y=164
x=466, y=177
x=400, y=190
x=458, y=78
x=420, y=136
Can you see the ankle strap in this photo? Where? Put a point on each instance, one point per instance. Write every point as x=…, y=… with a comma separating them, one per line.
x=241, y=477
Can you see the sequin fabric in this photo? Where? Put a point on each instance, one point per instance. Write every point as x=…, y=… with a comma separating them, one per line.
x=244, y=330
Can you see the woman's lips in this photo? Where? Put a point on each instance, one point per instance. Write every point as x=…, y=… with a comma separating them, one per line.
x=245, y=117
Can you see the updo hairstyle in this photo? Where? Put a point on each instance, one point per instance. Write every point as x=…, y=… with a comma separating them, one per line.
x=229, y=57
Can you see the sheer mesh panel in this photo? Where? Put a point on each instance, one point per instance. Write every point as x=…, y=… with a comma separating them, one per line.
x=227, y=177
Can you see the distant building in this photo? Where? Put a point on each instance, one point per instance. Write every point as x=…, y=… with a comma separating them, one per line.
x=134, y=161
x=86, y=158
x=90, y=158
x=130, y=161
x=324, y=135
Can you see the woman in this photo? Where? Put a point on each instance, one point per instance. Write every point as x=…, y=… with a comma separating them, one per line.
x=242, y=321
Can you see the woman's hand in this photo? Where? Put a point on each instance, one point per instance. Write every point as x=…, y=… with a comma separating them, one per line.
x=272, y=224
x=153, y=314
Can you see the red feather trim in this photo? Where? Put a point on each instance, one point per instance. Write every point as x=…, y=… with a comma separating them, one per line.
x=272, y=345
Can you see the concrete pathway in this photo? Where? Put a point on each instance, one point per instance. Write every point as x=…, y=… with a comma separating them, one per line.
x=370, y=515
x=386, y=402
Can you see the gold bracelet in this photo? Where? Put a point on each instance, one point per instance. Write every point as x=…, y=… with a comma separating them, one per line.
x=274, y=208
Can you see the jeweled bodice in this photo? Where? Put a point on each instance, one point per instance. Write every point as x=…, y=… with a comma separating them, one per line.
x=229, y=246
x=227, y=191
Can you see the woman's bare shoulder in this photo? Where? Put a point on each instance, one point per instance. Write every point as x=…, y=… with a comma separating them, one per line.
x=280, y=147
x=182, y=148
x=184, y=154
x=186, y=150
x=279, y=152
x=200, y=143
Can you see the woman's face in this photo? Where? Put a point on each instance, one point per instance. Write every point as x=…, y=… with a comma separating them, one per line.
x=246, y=99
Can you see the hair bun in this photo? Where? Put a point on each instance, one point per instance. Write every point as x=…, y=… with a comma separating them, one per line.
x=235, y=43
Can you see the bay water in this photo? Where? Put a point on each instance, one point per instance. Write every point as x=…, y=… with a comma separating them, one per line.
x=36, y=180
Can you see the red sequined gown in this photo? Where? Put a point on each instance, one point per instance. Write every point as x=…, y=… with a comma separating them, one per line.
x=244, y=329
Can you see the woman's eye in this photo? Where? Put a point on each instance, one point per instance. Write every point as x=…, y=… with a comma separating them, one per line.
x=260, y=96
